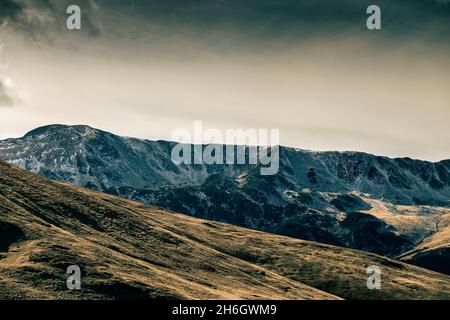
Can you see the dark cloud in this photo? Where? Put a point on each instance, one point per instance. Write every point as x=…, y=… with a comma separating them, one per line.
x=281, y=18
x=251, y=20
x=44, y=20
x=9, y=9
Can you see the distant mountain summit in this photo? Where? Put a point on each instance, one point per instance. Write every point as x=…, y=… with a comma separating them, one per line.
x=322, y=196
x=94, y=158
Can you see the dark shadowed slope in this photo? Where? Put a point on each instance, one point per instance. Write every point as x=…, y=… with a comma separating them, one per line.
x=434, y=252
x=130, y=250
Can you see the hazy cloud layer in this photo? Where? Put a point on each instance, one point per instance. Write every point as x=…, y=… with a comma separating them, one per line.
x=8, y=96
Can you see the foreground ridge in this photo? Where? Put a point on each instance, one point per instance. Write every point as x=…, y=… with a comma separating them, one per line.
x=131, y=250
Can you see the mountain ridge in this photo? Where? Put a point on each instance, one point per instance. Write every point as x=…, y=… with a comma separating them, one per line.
x=438, y=178
x=43, y=128
x=318, y=196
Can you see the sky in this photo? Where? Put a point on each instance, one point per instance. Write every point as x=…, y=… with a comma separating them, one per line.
x=308, y=68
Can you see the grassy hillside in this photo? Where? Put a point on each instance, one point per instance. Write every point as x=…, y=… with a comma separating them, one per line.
x=128, y=250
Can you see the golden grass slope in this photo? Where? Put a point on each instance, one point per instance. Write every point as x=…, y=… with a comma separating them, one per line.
x=128, y=250
x=415, y=222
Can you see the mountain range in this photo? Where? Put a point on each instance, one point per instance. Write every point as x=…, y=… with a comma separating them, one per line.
x=392, y=207
x=129, y=250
